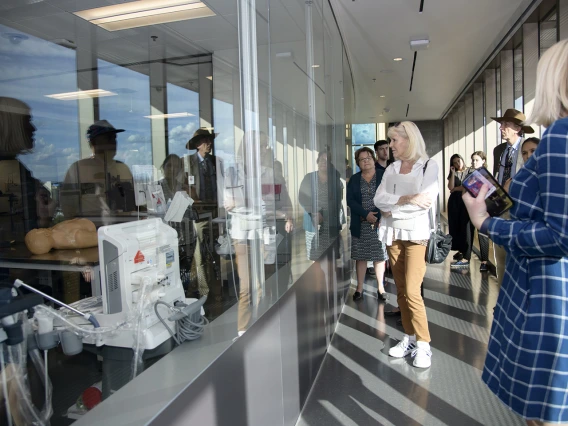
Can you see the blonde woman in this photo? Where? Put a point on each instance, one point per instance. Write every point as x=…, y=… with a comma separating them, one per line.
x=527, y=361
x=404, y=197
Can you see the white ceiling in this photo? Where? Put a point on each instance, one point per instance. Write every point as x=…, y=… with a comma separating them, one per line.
x=462, y=34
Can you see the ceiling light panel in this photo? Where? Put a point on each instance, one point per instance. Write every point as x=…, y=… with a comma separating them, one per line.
x=144, y=13
x=171, y=115
x=81, y=94
x=130, y=7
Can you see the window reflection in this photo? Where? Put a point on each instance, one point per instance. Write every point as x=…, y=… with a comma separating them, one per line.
x=127, y=111
x=154, y=111
x=181, y=129
x=31, y=70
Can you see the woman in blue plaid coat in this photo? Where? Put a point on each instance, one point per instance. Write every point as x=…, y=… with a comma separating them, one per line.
x=527, y=359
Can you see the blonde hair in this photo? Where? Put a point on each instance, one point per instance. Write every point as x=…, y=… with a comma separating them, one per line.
x=13, y=138
x=409, y=131
x=551, y=98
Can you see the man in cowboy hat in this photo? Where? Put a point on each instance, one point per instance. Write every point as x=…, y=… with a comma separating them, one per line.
x=98, y=185
x=202, y=167
x=507, y=158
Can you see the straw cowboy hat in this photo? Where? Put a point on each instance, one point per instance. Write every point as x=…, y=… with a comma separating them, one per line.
x=199, y=134
x=514, y=116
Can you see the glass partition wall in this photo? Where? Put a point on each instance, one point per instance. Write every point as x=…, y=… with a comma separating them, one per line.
x=244, y=105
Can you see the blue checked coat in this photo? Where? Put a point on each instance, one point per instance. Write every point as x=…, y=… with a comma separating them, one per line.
x=527, y=359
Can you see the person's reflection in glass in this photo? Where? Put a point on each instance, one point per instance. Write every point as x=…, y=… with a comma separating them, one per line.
x=321, y=196
x=99, y=186
x=175, y=180
x=245, y=226
x=25, y=203
x=202, y=169
x=279, y=212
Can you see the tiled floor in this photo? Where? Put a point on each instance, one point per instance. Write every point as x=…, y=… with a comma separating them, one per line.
x=359, y=384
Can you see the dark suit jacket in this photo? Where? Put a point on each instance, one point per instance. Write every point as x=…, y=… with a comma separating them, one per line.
x=497, y=152
x=193, y=170
x=355, y=200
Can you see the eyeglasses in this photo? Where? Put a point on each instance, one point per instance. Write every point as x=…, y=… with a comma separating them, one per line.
x=365, y=158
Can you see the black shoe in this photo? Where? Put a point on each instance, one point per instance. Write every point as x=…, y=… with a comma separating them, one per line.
x=483, y=267
x=357, y=296
x=399, y=322
x=392, y=314
x=382, y=297
x=458, y=256
x=371, y=271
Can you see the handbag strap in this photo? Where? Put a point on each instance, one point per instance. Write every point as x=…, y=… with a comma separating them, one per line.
x=431, y=216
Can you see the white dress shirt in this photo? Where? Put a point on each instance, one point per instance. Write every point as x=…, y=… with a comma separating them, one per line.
x=418, y=217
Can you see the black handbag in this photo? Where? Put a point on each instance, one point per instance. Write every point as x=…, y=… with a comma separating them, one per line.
x=439, y=244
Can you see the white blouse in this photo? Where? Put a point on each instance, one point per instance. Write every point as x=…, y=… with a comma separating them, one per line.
x=408, y=222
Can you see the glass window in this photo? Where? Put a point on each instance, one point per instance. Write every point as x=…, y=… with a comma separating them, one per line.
x=364, y=134
x=498, y=89
x=170, y=162
x=183, y=108
x=34, y=73
x=127, y=110
x=548, y=31
x=518, y=76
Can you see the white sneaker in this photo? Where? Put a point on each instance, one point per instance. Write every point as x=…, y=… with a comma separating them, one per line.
x=404, y=347
x=422, y=355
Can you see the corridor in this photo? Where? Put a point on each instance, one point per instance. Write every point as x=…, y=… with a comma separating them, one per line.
x=359, y=384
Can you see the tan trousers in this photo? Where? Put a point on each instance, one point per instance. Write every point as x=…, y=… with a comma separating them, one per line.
x=247, y=302
x=500, y=260
x=408, y=268
x=201, y=267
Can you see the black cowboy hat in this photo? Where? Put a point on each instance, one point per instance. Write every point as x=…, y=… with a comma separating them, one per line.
x=199, y=134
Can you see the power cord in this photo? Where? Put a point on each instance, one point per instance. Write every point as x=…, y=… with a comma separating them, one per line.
x=186, y=327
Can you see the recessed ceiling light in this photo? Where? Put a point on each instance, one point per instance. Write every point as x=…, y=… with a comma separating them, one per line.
x=315, y=66
x=209, y=77
x=144, y=12
x=382, y=96
x=397, y=59
x=81, y=94
x=171, y=115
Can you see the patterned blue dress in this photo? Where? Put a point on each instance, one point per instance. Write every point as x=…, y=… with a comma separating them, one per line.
x=527, y=359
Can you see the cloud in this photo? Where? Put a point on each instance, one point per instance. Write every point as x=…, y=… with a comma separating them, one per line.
x=179, y=135
x=48, y=162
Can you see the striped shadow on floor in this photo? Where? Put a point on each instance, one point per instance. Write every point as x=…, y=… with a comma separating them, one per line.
x=359, y=384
